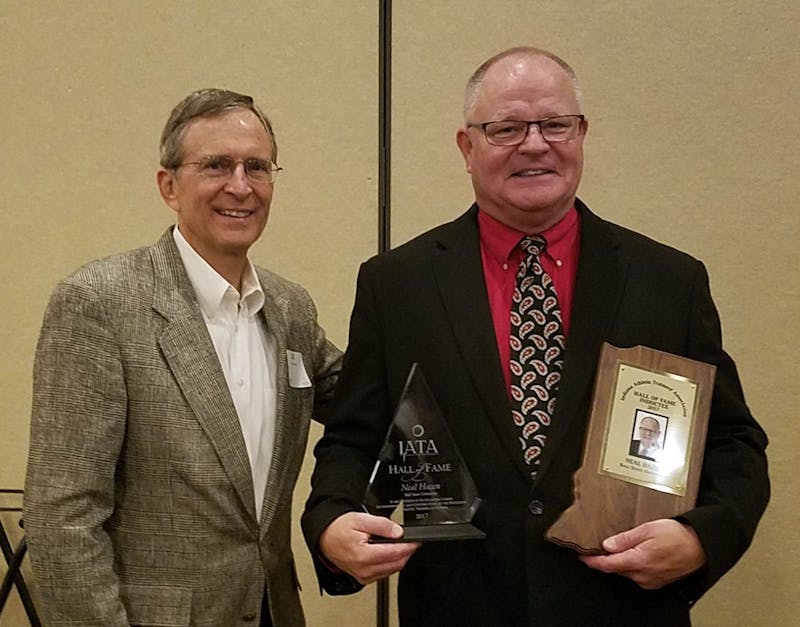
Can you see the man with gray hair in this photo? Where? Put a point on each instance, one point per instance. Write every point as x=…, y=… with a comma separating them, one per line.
x=173, y=389
x=505, y=310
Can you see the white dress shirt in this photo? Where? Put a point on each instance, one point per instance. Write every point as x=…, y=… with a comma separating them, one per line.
x=246, y=352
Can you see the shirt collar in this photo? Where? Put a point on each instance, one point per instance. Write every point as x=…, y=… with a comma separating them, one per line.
x=211, y=289
x=500, y=240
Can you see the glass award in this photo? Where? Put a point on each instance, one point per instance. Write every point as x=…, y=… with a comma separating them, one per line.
x=420, y=470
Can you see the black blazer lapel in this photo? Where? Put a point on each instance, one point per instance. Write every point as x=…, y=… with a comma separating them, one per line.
x=458, y=270
x=598, y=289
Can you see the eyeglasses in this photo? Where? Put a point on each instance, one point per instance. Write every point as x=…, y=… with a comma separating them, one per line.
x=560, y=128
x=222, y=167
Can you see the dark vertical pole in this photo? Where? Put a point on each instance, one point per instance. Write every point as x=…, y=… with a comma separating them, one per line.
x=385, y=125
x=384, y=195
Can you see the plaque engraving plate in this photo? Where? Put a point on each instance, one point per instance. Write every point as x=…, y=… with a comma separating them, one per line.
x=643, y=452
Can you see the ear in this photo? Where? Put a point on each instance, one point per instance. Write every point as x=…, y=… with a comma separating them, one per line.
x=465, y=146
x=166, y=181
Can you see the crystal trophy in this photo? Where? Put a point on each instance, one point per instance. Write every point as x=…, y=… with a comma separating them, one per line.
x=420, y=470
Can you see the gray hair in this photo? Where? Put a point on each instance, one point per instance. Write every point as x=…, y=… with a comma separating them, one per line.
x=205, y=103
x=475, y=81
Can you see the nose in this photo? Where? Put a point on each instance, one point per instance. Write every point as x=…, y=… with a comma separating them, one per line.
x=238, y=183
x=534, y=141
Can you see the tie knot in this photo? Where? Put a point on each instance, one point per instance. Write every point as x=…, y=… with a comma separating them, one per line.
x=533, y=245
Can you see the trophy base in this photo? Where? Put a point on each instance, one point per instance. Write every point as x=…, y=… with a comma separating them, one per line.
x=434, y=533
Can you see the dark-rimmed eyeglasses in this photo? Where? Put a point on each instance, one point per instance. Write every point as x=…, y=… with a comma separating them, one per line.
x=222, y=167
x=560, y=128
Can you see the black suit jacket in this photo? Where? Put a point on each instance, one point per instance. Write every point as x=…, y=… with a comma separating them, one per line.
x=426, y=302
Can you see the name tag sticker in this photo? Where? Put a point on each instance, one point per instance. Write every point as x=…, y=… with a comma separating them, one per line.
x=298, y=378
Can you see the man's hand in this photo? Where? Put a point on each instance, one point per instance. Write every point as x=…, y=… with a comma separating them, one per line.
x=653, y=554
x=345, y=544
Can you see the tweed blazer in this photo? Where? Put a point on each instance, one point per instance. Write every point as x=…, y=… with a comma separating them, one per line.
x=139, y=503
x=426, y=302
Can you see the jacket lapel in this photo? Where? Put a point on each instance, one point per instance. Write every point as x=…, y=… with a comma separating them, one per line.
x=599, y=282
x=458, y=269
x=598, y=288
x=193, y=361
x=274, y=315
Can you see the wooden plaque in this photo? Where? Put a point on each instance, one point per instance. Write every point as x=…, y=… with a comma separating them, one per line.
x=644, y=446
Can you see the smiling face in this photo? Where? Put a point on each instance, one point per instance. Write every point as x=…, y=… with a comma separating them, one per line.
x=220, y=219
x=530, y=186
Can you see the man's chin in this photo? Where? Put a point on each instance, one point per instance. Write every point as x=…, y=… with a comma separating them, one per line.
x=543, y=208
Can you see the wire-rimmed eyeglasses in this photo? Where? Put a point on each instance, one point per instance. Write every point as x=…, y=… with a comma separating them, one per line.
x=559, y=128
x=222, y=167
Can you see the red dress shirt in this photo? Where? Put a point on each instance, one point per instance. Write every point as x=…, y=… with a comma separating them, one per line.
x=501, y=257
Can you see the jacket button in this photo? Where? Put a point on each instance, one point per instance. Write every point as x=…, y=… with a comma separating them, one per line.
x=536, y=507
x=249, y=618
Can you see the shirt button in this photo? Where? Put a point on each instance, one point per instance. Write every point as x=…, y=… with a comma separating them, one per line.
x=559, y=263
x=536, y=507
x=240, y=383
x=505, y=266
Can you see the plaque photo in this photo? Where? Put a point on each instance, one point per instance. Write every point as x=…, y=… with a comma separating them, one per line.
x=648, y=439
x=420, y=472
x=643, y=451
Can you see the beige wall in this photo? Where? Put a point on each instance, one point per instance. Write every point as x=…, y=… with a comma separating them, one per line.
x=693, y=140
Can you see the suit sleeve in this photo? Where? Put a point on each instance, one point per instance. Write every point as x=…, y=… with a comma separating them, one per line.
x=353, y=435
x=734, y=486
x=327, y=366
x=77, y=429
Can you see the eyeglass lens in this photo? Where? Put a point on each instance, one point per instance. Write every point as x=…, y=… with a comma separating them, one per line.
x=512, y=132
x=219, y=166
